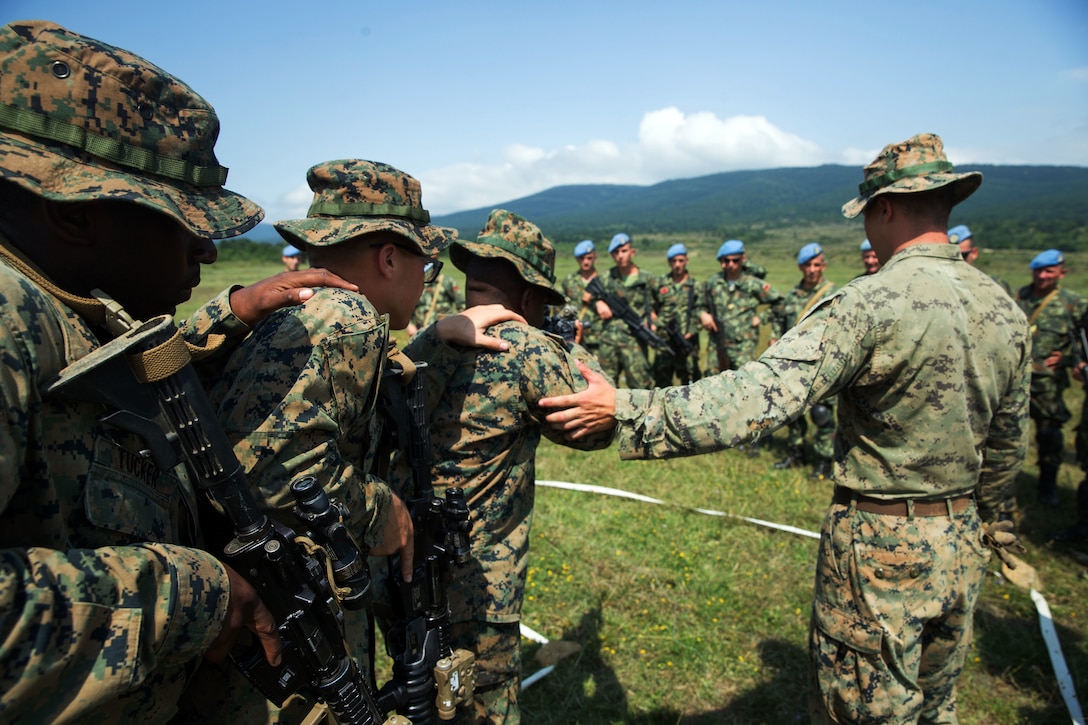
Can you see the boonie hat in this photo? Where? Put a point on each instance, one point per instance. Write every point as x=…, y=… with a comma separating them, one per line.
x=1049, y=258
x=917, y=164
x=732, y=246
x=81, y=120
x=809, y=252
x=520, y=242
x=354, y=197
x=959, y=234
x=618, y=241
x=583, y=248
x=291, y=251
x=675, y=250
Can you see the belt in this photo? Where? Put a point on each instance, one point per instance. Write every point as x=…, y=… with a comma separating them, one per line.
x=902, y=507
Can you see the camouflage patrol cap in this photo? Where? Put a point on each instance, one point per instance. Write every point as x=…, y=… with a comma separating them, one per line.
x=353, y=197
x=917, y=164
x=81, y=120
x=520, y=242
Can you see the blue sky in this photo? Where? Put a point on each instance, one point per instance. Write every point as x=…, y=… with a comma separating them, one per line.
x=486, y=102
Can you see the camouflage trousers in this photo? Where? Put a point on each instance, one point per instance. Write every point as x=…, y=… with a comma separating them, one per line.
x=892, y=615
x=498, y=671
x=627, y=356
x=823, y=441
x=667, y=366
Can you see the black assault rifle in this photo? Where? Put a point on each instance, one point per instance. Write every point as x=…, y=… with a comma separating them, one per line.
x=430, y=679
x=621, y=309
x=168, y=408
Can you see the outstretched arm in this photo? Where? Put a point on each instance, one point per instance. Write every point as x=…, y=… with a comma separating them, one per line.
x=589, y=411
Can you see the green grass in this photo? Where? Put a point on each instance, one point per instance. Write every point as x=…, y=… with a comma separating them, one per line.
x=687, y=618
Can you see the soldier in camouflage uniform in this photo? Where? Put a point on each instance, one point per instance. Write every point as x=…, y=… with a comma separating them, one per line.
x=961, y=236
x=110, y=182
x=298, y=397
x=913, y=354
x=441, y=298
x=677, y=299
x=620, y=352
x=795, y=305
x=1052, y=312
x=574, y=289
x=485, y=427
x=730, y=308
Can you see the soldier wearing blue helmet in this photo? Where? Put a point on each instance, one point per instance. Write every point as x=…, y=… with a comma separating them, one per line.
x=676, y=300
x=573, y=287
x=1052, y=313
x=620, y=350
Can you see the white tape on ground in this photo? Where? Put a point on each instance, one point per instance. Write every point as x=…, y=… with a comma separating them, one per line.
x=1046, y=623
x=1057, y=660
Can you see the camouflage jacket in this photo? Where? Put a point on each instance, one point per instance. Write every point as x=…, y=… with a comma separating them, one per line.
x=573, y=288
x=1052, y=329
x=912, y=353
x=105, y=608
x=440, y=299
x=484, y=428
x=797, y=302
x=679, y=301
x=638, y=289
x=298, y=398
x=735, y=305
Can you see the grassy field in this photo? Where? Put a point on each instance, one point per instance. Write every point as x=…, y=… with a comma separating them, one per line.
x=680, y=617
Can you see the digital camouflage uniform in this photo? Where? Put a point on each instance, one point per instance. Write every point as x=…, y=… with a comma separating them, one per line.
x=441, y=298
x=484, y=428
x=106, y=610
x=573, y=288
x=620, y=352
x=913, y=354
x=298, y=397
x=883, y=582
x=1051, y=330
x=794, y=305
x=677, y=301
x=735, y=308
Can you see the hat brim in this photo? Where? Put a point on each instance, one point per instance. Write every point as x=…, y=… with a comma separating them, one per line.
x=965, y=184
x=463, y=250
x=324, y=231
x=59, y=172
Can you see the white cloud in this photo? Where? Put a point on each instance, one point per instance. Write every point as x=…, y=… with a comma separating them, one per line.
x=670, y=145
x=1078, y=74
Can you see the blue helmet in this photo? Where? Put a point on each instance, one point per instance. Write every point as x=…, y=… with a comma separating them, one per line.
x=732, y=246
x=583, y=248
x=675, y=250
x=959, y=234
x=809, y=252
x=291, y=251
x=866, y=246
x=1049, y=258
x=618, y=241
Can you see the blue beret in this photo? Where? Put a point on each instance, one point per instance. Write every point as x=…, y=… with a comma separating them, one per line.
x=583, y=248
x=959, y=234
x=733, y=246
x=1049, y=258
x=866, y=246
x=808, y=252
x=291, y=251
x=618, y=241
x=675, y=250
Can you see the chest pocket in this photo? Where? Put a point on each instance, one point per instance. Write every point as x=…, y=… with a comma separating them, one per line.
x=129, y=494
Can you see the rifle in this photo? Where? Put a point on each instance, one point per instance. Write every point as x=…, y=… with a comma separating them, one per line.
x=430, y=679
x=621, y=309
x=718, y=336
x=163, y=402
